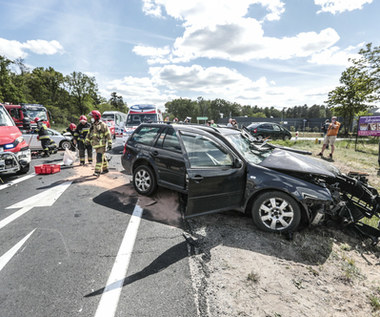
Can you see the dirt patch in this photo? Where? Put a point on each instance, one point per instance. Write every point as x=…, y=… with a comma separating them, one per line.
x=241, y=271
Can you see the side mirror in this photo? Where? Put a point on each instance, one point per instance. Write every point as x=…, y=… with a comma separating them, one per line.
x=237, y=163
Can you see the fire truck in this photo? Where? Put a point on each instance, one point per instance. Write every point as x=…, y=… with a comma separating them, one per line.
x=26, y=113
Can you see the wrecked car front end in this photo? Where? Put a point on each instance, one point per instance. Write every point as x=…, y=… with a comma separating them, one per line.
x=323, y=191
x=352, y=198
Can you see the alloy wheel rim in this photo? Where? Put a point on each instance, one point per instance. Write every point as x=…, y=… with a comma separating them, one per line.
x=143, y=180
x=276, y=213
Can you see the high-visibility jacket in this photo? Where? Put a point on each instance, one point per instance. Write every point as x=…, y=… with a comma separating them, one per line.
x=81, y=131
x=98, y=135
x=42, y=131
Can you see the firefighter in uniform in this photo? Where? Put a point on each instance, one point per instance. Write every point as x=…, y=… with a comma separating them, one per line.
x=80, y=136
x=71, y=129
x=48, y=145
x=99, y=137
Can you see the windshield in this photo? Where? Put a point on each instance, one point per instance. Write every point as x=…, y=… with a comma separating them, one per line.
x=109, y=116
x=33, y=113
x=136, y=119
x=5, y=119
x=251, y=152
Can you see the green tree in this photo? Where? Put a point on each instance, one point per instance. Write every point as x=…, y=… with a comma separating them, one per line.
x=369, y=63
x=182, y=108
x=117, y=102
x=9, y=92
x=83, y=92
x=352, y=96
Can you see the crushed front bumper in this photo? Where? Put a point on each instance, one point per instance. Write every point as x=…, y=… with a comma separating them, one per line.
x=12, y=162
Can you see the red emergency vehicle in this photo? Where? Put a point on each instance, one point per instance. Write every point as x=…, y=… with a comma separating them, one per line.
x=28, y=112
x=15, y=154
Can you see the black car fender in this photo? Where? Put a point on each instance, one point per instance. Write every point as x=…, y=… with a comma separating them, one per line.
x=308, y=195
x=143, y=159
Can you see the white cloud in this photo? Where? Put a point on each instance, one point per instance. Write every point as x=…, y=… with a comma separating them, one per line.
x=172, y=81
x=221, y=29
x=336, y=56
x=16, y=49
x=219, y=80
x=11, y=49
x=200, y=13
x=137, y=90
x=43, y=47
x=339, y=6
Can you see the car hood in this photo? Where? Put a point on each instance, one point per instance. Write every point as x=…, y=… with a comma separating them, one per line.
x=290, y=161
x=9, y=134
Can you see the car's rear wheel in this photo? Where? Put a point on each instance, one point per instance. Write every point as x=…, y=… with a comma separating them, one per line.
x=276, y=212
x=144, y=180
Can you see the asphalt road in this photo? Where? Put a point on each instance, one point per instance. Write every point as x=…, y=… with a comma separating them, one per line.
x=75, y=245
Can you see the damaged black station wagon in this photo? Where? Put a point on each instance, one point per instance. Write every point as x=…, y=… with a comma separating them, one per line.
x=222, y=169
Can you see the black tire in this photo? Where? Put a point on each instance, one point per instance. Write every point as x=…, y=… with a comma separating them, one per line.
x=65, y=145
x=286, y=137
x=276, y=212
x=144, y=180
x=24, y=169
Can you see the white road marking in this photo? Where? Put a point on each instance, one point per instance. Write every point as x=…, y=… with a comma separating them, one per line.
x=110, y=298
x=4, y=259
x=14, y=216
x=16, y=181
x=44, y=199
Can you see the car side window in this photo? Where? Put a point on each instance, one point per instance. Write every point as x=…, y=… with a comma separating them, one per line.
x=171, y=141
x=146, y=135
x=204, y=152
x=267, y=127
x=276, y=128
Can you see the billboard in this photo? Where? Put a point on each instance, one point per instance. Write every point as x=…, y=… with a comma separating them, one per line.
x=369, y=126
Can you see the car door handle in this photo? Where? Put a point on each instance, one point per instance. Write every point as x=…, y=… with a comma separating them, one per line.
x=154, y=153
x=198, y=178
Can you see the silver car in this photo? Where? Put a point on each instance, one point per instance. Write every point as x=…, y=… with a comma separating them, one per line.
x=63, y=141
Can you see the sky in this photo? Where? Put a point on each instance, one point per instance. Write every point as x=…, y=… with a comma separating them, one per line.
x=253, y=52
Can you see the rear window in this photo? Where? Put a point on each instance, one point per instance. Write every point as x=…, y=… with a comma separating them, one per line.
x=146, y=135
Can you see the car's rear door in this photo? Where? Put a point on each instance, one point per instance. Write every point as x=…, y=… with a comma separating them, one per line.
x=215, y=182
x=169, y=160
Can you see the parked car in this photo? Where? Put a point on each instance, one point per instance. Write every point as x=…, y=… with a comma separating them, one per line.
x=224, y=169
x=63, y=141
x=261, y=130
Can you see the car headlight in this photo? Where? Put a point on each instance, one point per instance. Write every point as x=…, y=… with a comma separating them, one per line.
x=14, y=144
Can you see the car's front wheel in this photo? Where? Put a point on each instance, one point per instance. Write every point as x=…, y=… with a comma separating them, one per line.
x=276, y=211
x=286, y=137
x=144, y=180
x=24, y=169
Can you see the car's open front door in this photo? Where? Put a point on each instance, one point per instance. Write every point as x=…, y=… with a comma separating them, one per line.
x=215, y=177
